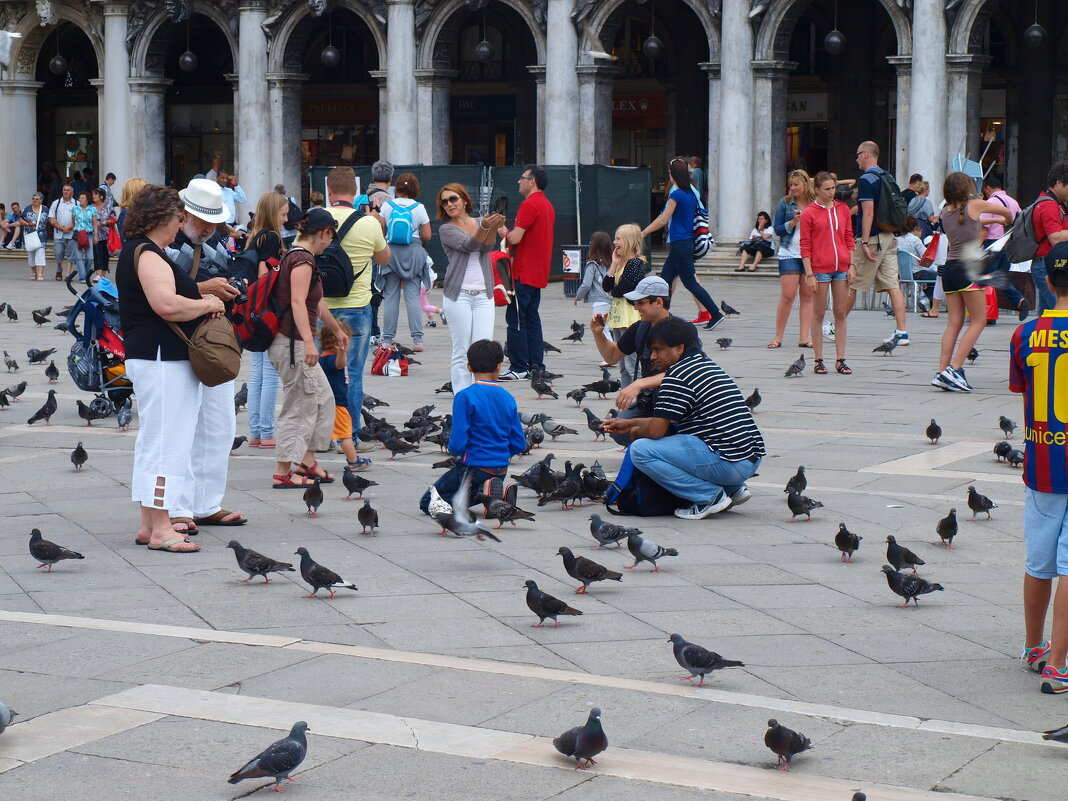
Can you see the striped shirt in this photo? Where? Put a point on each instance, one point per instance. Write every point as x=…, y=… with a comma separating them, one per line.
x=704, y=402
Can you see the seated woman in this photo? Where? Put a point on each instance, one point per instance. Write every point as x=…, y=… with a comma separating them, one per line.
x=759, y=244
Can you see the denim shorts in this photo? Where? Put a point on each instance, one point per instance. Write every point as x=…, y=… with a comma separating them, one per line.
x=791, y=266
x=826, y=278
x=1046, y=533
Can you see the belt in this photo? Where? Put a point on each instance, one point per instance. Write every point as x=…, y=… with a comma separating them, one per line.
x=473, y=291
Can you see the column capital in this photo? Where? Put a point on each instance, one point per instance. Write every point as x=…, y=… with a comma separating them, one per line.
x=380, y=76
x=98, y=83
x=400, y=2
x=903, y=64
x=435, y=77
x=710, y=68
x=967, y=62
x=252, y=5
x=113, y=8
x=538, y=71
x=286, y=80
x=772, y=69
x=18, y=86
x=233, y=79
x=150, y=86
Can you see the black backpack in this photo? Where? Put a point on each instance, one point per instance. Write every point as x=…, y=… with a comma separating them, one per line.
x=892, y=208
x=335, y=267
x=293, y=216
x=635, y=493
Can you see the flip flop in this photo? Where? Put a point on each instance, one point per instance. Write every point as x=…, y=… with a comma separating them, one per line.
x=805, y=344
x=191, y=529
x=774, y=344
x=929, y=316
x=217, y=519
x=168, y=546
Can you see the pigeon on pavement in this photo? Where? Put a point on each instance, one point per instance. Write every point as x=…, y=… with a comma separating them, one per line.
x=798, y=481
x=697, y=660
x=553, y=428
x=979, y=503
x=585, y=570
x=908, y=586
x=10, y=363
x=278, y=760
x=886, y=348
x=947, y=528
x=549, y=347
x=313, y=498
x=594, y=423
x=728, y=311
x=47, y=552
x=847, y=542
x=646, y=551
x=583, y=742
x=318, y=576
x=1015, y=457
x=78, y=457
x=52, y=373
x=934, y=432
x=1002, y=449
x=1007, y=426
x=576, y=333
x=125, y=416
x=46, y=411
x=6, y=716
x=801, y=505
x=35, y=356
x=255, y=564
x=900, y=556
x=753, y=400
x=39, y=318
x=241, y=398
x=546, y=606
x=368, y=517
x=237, y=443
x=541, y=386
x=15, y=391
x=797, y=368
x=607, y=533
x=355, y=483
x=785, y=743
x=88, y=413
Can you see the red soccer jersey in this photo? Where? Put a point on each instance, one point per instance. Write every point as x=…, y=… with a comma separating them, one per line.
x=532, y=256
x=1048, y=217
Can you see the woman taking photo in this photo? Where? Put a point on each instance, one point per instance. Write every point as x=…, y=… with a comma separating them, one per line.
x=964, y=233
x=468, y=290
x=628, y=268
x=799, y=194
x=678, y=216
x=105, y=219
x=155, y=294
x=85, y=225
x=407, y=264
x=306, y=422
x=759, y=244
x=826, y=249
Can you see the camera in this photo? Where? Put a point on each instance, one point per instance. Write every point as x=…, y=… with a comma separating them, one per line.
x=239, y=285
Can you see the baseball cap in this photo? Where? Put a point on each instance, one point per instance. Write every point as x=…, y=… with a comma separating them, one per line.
x=1057, y=259
x=318, y=219
x=651, y=287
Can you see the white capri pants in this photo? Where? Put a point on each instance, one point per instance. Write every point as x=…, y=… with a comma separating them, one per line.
x=210, y=460
x=36, y=258
x=470, y=319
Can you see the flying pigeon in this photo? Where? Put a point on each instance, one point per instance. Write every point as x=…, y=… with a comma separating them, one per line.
x=607, y=533
x=255, y=564
x=585, y=570
x=908, y=586
x=368, y=518
x=46, y=411
x=947, y=528
x=51, y=372
x=583, y=742
x=900, y=556
x=785, y=743
x=546, y=606
x=728, y=311
x=847, y=542
x=979, y=503
x=355, y=483
x=934, y=432
x=125, y=416
x=278, y=760
x=1002, y=449
x=753, y=400
x=6, y=716
x=48, y=553
x=1007, y=426
x=724, y=342
x=78, y=457
x=38, y=356
x=646, y=551
x=697, y=660
x=241, y=398
x=798, y=482
x=594, y=423
x=460, y=522
x=801, y=505
x=313, y=498
x=319, y=577
x=797, y=368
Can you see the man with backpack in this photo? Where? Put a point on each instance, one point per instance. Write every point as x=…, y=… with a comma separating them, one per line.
x=993, y=191
x=882, y=213
x=1050, y=220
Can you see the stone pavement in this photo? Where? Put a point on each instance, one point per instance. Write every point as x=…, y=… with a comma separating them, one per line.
x=148, y=675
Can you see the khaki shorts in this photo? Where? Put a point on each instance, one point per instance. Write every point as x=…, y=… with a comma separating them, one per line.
x=882, y=272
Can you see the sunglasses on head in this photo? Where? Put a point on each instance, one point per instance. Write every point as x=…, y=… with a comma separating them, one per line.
x=445, y=201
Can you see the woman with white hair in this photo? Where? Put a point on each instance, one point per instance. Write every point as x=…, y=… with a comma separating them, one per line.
x=35, y=235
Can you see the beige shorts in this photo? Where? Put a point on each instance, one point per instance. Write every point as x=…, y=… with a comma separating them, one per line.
x=882, y=270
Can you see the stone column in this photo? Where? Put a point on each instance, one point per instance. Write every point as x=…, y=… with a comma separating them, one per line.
x=903, y=66
x=285, y=94
x=103, y=130
x=18, y=126
x=116, y=153
x=769, y=125
x=595, y=99
x=434, y=91
x=148, y=137
x=735, y=189
x=253, y=130
x=402, y=146
x=711, y=69
x=538, y=71
x=927, y=145
x=965, y=83
x=383, y=116
x=561, y=86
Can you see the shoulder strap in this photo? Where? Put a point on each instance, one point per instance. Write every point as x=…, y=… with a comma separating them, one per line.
x=196, y=261
x=346, y=226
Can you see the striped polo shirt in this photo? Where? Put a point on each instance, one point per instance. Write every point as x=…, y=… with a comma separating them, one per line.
x=704, y=401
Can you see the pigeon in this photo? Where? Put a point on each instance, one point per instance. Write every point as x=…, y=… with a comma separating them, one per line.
x=47, y=310
x=797, y=368
x=900, y=556
x=12, y=315
x=979, y=503
x=504, y=510
x=48, y=553
x=238, y=442
x=553, y=428
x=1002, y=449
x=38, y=356
x=278, y=760
x=847, y=542
x=125, y=416
x=947, y=528
x=460, y=522
x=576, y=326
x=798, y=482
x=39, y=318
x=934, y=432
x=88, y=413
x=355, y=483
x=1014, y=457
x=444, y=464
x=886, y=348
x=728, y=311
x=10, y=363
x=15, y=391
x=602, y=387
x=539, y=385
x=646, y=551
x=529, y=418
x=550, y=377
x=60, y=326
x=46, y=411
x=446, y=387
x=52, y=373
x=594, y=423
x=78, y=457
x=548, y=347
x=1060, y=735
x=583, y=742
x=546, y=606
x=973, y=354
x=1007, y=426
x=397, y=445
x=754, y=400
x=569, y=488
x=585, y=570
x=697, y=660
x=859, y=797
x=313, y=498
x=6, y=716
x=371, y=403
x=724, y=342
x=606, y=533
x=368, y=518
x=801, y=505
x=908, y=586
x=319, y=577
x=241, y=398
x=438, y=505
x=577, y=395
x=4, y=402
x=785, y=743
x=576, y=335
x=255, y=564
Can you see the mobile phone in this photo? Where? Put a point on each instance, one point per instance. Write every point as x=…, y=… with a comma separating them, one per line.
x=500, y=205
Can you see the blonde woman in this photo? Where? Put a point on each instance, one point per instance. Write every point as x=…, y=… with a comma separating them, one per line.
x=800, y=192
x=129, y=192
x=628, y=268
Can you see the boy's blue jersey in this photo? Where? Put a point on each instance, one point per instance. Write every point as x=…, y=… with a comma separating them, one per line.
x=1038, y=368
x=486, y=431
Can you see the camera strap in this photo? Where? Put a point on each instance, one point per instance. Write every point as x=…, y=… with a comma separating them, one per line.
x=196, y=261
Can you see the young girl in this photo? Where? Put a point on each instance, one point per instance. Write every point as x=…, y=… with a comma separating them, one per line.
x=759, y=244
x=598, y=260
x=628, y=268
x=333, y=361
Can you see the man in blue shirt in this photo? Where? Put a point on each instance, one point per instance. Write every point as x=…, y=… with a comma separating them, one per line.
x=232, y=195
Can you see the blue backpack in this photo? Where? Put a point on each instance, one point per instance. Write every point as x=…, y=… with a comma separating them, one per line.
x=400, y=230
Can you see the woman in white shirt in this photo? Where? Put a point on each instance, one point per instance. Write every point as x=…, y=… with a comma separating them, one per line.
x=759, y=244
x=407, y=266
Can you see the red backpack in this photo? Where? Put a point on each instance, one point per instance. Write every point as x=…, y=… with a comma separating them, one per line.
x=257, y=319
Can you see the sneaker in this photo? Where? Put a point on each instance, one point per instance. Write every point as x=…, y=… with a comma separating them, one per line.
x=1035, y=658
x=828, y=330
x=361, y=465
x=703, y=317
x=431, y=324
x=960, y=380
x=944, y=380
x=364, y=447
x=1054, y=682
x=741, y=495
x=712, y=323
x=901, y=339
x=373, y=340
x=1023, y=309
x=699, y=511
x=514, y=375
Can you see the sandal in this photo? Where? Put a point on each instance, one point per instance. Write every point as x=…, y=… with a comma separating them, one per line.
x=774, y=344
x=929, y=316
x=843, y=368
x=820, y=368
x=219, y=519
x=286, y=481
x=313, y=472
x=172, y=546
x=807, y=344
x=267, y=443
x=254, y=442
x=190, y=527
x=59, y=274
x=740, y=270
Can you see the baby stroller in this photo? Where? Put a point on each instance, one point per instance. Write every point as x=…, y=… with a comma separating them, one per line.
x=96, y=357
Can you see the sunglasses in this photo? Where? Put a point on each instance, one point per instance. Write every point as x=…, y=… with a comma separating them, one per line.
x=445, y=201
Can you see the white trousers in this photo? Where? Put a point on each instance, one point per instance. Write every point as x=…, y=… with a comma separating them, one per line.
x=470, y=319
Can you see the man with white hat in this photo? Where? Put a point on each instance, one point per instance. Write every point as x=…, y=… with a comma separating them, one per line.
x=198, y=249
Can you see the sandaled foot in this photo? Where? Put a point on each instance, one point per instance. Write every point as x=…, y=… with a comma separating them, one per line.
x=929, y=316
x=223, y=517
x=267, y=443
x=820, y=368
x=177, y=545
x=314, y=471
x=807, y=344
x=184, y=525
x=842, y=367
x=291, y=480
x=774, y=344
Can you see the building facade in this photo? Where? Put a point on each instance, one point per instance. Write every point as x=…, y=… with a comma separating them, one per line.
x=271, y=87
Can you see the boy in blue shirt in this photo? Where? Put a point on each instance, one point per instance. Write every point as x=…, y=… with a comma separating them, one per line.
x=486, y=432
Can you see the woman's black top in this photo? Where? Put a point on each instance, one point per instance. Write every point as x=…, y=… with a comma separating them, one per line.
x=627, y=279
x=145, y=334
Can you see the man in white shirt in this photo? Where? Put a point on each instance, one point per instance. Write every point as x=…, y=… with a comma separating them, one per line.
x=232, y=195
x=61, y=218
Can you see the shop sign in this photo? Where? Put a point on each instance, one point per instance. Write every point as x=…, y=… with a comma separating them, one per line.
x=340, y=110
x=810, y=107
x=648, y=105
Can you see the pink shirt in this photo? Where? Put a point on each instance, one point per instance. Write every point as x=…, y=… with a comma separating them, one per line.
x=994, y=228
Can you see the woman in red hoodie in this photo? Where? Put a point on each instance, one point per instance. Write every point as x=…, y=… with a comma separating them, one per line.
x=826, y=252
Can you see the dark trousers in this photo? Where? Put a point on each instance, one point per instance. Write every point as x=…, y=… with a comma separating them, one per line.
x=101, y=256
x=449, y=484
x=1001, y=263
x=679, y=264
x=526, y=345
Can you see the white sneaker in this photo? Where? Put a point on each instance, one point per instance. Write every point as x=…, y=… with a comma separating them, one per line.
x=828, y=330
x=699, y=511
x=741, y=496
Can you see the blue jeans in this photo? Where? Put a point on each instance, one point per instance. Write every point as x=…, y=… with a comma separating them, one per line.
x=1001, y=264
x=84, y=259
x=685, y=466
x=526, y=345
x=1044, y=298
x=679, y=264
x=359, y=320
x=262, y=392
x=449, y=483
